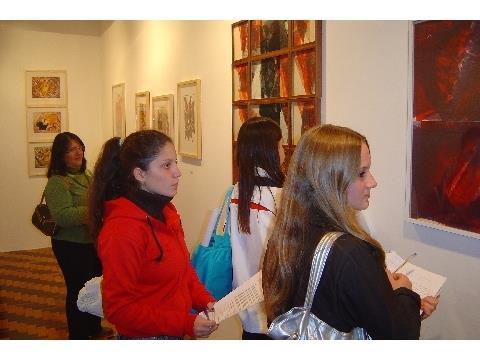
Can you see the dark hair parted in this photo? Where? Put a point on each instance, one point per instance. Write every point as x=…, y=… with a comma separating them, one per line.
x=113, y=173
x=325, y=162
x=257, y=147
x=60, y=145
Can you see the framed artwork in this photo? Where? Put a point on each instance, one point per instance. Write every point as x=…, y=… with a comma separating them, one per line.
x=43, y=124
x=444, y=126
x=303, y=118
x=162, y=114
x=189, y=130
x=38, y=158
x=47, y=88
x=118, y=110
x=240, y=40
x=277, y=73
x=142, y=110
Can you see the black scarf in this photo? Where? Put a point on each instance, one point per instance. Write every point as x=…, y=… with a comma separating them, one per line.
x=152, y=204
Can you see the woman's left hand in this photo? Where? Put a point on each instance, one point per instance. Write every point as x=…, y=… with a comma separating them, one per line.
x=428, y=305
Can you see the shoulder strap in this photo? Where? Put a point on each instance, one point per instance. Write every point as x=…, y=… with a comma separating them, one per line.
x=318, y=263
x=225, y=207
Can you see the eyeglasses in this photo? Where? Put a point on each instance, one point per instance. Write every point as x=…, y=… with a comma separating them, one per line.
x=75, y=148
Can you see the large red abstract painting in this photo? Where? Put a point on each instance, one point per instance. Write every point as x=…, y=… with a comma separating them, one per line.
x=446, y=124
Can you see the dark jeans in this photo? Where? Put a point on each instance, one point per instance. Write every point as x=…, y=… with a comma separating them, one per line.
x=254, y=336
x=79, y=263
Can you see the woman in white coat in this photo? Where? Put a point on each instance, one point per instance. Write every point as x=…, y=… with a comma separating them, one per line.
x=253, y=208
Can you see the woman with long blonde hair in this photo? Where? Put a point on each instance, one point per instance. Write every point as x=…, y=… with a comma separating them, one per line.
x=328, y=182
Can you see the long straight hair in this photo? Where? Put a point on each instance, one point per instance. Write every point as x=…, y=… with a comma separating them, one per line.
x=113, y=174
x=57, y=165
x=325, y=162
x=257, y=147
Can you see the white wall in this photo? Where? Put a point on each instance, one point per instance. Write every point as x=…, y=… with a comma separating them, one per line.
x=155, y=56
x=366, y=89
x=33, y=46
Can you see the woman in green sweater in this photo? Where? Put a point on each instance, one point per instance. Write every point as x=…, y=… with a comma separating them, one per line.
x=66, y=195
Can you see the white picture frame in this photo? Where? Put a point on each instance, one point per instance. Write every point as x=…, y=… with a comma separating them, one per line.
x=189, y=125
x=38, y=158
x=43, y=124
x=46, y=88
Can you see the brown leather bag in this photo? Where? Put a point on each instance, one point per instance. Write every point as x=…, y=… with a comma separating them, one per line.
x=42, y=219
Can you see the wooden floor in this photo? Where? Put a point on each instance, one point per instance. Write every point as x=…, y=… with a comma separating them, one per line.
x=32, y=296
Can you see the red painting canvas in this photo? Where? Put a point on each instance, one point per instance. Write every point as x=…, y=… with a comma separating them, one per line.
x=446, y=124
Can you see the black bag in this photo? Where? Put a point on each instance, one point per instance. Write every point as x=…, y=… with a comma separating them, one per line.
x=42, y=219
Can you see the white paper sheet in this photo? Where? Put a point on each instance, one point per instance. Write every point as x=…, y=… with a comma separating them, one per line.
x=244, y=296
x=424, y=282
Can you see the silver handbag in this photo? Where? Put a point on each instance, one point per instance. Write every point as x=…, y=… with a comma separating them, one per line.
x=299, y=323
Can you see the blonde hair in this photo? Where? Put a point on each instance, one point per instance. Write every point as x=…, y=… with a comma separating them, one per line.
x=325, y=162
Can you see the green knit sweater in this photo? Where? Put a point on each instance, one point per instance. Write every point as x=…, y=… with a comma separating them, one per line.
x=66, y=197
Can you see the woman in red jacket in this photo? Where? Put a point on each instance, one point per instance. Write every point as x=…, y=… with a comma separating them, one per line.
x=149, y=286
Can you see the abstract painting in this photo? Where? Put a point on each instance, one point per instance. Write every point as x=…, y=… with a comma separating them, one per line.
x=38, y=158
x=43, y=124
x=162, y=114
x=142, y=110
x=445, y=158
x=270, y=77
x=304, y=73
x=303, y=118
x=240, y=41
x=118, y=110
x=268, y=35
x=46, y=88
x=189, y=130
x=303, y=32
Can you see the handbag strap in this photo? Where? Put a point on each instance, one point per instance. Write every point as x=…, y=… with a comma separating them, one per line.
x=226, y=203
x=318, y=264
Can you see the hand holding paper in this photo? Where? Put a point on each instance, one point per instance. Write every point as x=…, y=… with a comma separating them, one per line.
x=244, y=296
x=424, y=283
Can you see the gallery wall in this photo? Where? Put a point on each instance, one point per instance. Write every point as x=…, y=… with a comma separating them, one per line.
x=42, y=46
x=366, y=89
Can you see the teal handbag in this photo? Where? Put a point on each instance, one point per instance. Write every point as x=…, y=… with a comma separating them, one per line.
x=213, y=263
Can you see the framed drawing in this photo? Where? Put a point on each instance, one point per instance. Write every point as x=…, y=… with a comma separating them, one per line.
x=47, y=88
x=118, y=110
x=38, y=158
x=277, y=73
x=142, y=110
x=162, y=114
x=189, y=130
x=43, y=124
x=444, y=126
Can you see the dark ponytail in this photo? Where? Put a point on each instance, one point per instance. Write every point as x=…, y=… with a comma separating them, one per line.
x=106, y=185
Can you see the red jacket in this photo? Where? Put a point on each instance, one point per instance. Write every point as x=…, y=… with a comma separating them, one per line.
x=141, y=296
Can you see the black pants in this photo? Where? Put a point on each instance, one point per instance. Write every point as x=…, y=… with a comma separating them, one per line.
x=79, y=263
x=254, y=336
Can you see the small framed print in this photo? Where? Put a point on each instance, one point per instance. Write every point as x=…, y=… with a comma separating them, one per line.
x=39, y=158
x=189, y=129
x=118, y=110
x=47, y=88
x=142, y=110
x=43, y=124
x=162, y=114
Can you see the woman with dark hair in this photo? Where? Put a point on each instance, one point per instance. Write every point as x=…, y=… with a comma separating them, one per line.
x=66, y=197
x=327, y=183
x=149, y=286
x=253, y=208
